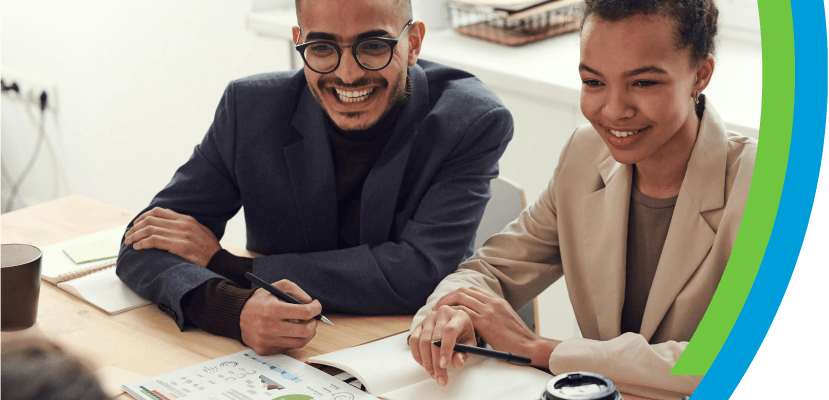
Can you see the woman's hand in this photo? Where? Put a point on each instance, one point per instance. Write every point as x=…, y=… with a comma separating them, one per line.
x=450, y=325
x=499, y=325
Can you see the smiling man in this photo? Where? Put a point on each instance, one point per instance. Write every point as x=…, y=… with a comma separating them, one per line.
x=363, y=179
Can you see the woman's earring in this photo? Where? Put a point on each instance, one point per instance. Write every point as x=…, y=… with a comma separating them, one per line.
x=696, y=98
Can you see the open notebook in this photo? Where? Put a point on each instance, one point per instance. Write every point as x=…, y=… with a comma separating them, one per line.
x=387, y=370
x=93, y=281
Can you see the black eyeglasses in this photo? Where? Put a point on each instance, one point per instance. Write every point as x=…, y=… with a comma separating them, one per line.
x=373, y=54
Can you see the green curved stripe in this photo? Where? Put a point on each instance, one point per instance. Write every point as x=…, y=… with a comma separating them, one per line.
x=764, y=195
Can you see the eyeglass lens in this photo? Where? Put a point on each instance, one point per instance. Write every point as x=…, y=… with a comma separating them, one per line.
x=371, y=54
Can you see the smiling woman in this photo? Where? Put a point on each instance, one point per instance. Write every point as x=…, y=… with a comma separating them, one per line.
x=640, y=216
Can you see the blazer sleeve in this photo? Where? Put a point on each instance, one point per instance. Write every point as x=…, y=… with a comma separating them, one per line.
x=203, y=188
x=636, y=366
x=396, y=277
x=516, y=264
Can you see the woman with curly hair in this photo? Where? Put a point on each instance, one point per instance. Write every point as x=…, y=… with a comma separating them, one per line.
x=640, y=216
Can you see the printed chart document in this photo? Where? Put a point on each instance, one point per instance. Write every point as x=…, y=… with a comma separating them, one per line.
x=246, y=376
x=387, y=370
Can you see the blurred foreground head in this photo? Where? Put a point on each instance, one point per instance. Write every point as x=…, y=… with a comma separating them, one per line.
x=39, y=369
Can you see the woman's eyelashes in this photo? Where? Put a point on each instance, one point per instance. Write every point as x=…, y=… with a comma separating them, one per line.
x=645, y=83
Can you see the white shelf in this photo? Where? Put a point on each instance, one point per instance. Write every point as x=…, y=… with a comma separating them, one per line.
x=275, y=23
x=547, y=70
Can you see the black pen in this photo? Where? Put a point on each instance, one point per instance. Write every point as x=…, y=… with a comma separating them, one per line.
x=280, y=294
x=498, y=355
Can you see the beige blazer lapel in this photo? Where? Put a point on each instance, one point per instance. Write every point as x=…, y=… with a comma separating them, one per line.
x=604, y=214
x=703, y=189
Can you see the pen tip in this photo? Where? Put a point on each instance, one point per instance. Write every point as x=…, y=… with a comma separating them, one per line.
x=326, y=320
x=436, y=343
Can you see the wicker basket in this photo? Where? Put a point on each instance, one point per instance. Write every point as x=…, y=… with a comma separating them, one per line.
x=515, y=28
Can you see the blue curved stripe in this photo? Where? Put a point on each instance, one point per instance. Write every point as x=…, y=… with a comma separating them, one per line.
x=796, y=202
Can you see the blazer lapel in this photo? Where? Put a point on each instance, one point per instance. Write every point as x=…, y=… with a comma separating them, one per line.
x=382, y=185
x=312, y=175
x=604, y=215
x=690, y=237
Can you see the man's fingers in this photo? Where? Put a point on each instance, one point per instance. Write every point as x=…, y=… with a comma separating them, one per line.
x=301, y=329
x=156, y=242
x=301, y=312
x=156, y=212
x=142, y=232
x=155, y=225
x=293, y=290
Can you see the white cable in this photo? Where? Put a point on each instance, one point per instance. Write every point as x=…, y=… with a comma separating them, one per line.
x=16, y=186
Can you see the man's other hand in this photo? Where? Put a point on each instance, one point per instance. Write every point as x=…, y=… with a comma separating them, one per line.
x=450, y=325
x=179, y=234
x=271, y=326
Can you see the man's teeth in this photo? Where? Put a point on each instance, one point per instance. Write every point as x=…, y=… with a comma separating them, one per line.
x=353, y=96
x=624, y=133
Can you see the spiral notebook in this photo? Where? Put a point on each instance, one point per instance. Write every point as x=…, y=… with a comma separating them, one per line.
x=94, y=281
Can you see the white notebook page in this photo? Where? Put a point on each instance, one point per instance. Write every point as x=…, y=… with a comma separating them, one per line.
x=103, y=289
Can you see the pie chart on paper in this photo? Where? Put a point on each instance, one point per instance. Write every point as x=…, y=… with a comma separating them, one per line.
x=294, y=397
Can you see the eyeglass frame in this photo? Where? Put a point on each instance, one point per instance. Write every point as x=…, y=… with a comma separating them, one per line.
x=338, y=48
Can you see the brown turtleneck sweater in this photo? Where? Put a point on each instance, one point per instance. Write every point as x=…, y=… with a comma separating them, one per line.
x=216, y=305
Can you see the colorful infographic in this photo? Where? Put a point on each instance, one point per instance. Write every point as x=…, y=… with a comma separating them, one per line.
x=246, y=376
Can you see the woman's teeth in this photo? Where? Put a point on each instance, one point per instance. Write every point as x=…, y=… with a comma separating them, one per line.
x=625, y=133
x=353, y=96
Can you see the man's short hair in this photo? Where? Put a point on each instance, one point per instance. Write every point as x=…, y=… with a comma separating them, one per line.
x=404, y=5
x=38, y=369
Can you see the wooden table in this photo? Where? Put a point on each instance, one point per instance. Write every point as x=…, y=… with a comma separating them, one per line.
x=144, y=340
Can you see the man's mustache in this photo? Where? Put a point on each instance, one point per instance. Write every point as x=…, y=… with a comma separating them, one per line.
x=362, y=82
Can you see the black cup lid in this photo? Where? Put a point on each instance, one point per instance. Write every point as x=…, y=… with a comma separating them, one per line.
x=581, y=386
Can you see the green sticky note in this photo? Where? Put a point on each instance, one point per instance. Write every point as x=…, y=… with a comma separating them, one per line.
x=94, y=251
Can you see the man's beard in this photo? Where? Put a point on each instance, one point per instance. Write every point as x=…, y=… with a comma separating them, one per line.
x=395, y=96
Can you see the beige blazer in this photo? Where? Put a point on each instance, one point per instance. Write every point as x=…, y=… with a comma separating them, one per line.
x=578, y=229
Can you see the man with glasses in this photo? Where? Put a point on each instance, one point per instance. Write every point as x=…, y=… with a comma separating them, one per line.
x=363, y=179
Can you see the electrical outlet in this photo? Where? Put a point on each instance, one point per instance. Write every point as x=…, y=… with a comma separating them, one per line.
x=30, y=88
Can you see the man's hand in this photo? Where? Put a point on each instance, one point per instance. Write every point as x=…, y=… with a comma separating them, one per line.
x=271, y=326
x=499, y=325
x=450, y=325
x=179, y=234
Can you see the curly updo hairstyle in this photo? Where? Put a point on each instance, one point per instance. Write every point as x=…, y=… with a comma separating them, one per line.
x=696, y=20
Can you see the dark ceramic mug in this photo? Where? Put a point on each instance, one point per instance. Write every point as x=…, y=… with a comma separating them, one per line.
x=20, y=289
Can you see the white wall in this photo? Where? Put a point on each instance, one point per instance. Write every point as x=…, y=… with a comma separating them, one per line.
x=138, y=83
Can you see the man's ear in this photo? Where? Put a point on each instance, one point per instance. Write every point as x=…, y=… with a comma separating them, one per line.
x=295, y=31
x=416, y=33
x=704, y=72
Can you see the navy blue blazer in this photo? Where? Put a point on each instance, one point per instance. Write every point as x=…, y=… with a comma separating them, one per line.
x=268, y=150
